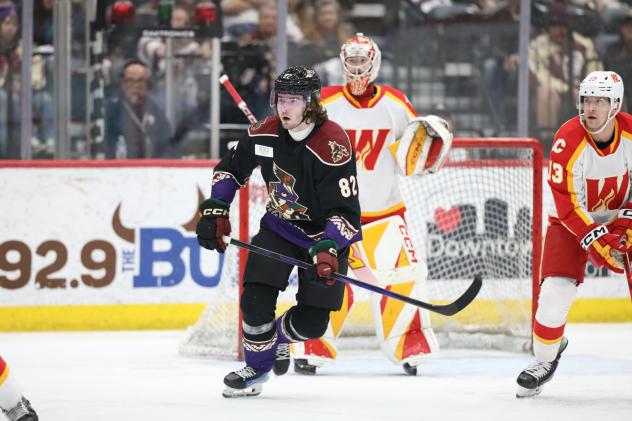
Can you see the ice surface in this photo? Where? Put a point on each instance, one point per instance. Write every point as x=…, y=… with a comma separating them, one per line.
x=139, y=376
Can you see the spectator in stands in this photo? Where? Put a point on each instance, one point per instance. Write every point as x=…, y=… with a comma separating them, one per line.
x=557, y=60
x=618, y=58
x=301, y=12
x=251, y=20
x=185, y=64
x=153, y=50
x=43, y=22
x=501, y=67
x=264, y=35
x=136, y=127
x=10, y=67
x=240, y=16
x=329, y=30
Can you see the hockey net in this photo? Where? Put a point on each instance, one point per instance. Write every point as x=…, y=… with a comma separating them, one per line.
x=482, y=213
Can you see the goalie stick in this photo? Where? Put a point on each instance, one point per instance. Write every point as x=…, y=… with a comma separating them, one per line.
x=237, y=98
x=447, y=309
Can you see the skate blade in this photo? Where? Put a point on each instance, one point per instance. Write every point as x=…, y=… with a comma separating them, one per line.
x=523, y=392
x=254, y=390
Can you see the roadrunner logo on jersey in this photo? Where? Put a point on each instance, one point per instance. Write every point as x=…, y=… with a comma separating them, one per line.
x=338, y=151
x=283, y=199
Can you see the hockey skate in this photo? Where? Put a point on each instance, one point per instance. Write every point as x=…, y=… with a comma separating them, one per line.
x=282, y=361
x=244, y=383
x=301, y=366
x=21, y=412
x=411, y=370
x=533, y=378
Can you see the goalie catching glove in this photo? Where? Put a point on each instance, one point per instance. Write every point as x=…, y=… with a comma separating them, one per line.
x=622, y=226
x=604, y=248
x=325, y=257
x=424, y=146
x=213, y=224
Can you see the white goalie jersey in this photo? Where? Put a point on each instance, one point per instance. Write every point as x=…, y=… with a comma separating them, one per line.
x=373, y=126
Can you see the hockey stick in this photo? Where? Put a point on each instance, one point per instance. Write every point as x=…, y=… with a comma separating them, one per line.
x=447, y=310
x=237, y=98
x=628, y=272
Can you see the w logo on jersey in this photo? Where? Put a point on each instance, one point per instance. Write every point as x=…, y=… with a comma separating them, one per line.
x=606, y=193
x=368, y=144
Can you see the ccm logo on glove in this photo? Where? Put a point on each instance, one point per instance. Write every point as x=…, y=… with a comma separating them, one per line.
x=593, y=235
x=215, y=212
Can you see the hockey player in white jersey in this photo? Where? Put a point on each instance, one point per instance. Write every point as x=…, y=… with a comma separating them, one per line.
x=13, y=404
x=589, y=177
x=389, y=140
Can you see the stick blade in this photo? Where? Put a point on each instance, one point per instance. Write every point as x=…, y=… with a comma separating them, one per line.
x=464, y=300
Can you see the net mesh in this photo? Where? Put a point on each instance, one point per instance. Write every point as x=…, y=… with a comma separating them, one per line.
x=475, y=216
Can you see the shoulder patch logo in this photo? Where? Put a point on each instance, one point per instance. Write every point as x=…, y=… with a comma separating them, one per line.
x=338, y=151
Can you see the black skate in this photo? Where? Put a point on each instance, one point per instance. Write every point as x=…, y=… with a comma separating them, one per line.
x=244, y=383
x=21, y=412
x=533, y=378
x=411, y=370
x=282, y=361
x=301, y=366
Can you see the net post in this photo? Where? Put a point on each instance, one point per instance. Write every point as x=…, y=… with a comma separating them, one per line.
x=538, y=160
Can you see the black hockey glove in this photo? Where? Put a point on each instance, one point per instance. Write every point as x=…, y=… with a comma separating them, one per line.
x=325, y=257
x=213, y=224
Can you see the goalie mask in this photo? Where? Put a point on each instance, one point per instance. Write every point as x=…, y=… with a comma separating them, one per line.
x=601, y=84
x=361, y=60
x=297, y=80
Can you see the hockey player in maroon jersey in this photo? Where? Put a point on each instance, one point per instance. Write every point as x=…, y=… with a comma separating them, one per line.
x=12, y=403
x=313, y=213
x=390, y=140
x=589, y=177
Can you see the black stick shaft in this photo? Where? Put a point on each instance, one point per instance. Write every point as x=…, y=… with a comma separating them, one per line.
x=447, y=309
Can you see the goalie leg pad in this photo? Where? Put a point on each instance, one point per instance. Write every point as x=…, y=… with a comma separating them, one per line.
x=401, y=331
x=556, y=296
x=404, y=331
x=320, y=351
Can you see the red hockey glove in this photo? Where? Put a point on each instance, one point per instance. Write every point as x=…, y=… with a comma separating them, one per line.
x=604, y=248
x=622, y=226
x=213, y=224
x=325, y=256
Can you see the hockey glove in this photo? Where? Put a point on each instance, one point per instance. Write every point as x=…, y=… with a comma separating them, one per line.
x=604, y=248
x=622, y=226
x=213, y=224
x=325, y=257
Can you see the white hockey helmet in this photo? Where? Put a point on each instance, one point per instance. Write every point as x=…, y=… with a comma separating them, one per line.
x=361, y=58
x=601, y=84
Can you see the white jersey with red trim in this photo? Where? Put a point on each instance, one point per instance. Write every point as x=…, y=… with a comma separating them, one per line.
x=373, y=125
x=589, y=185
